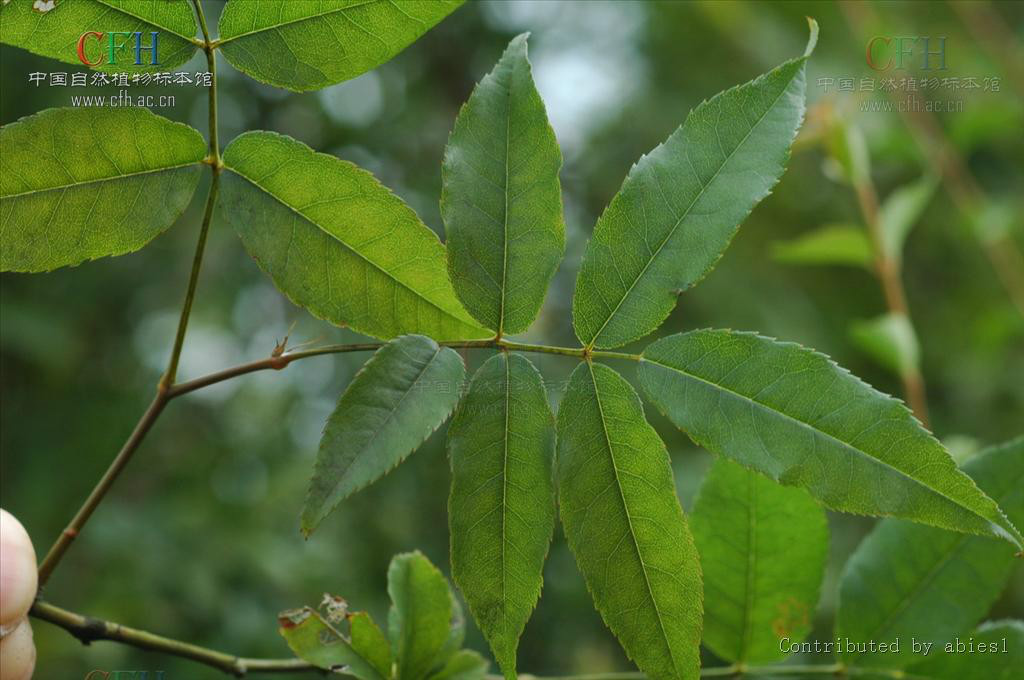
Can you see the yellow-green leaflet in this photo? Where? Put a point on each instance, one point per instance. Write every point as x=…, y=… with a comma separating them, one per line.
x=762, y=549
x=309, y=44
x=55, y=33
x=338, y=242
x=81, y=183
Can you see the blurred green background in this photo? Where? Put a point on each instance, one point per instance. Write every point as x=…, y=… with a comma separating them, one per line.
x=199, y=539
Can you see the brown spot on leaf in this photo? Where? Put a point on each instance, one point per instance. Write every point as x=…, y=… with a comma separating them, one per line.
x=792, y=615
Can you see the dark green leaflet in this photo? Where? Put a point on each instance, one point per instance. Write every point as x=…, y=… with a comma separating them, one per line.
x=800, y=419
x=502, y=506
x=395, y=401
x=680, y=205
x=501, y=201
x=910, y=581
x=624, y=525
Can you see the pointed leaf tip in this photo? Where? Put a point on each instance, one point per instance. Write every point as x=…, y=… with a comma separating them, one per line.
x=812, y=39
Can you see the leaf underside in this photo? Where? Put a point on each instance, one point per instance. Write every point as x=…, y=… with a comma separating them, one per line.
x=306, y=45
x=55, y=33
x=910, y=581
x=762, y=551
x=502, y=506
x=681, y=204
x=800, y=419
x=82, y=183
x=397, y=399
x=624, y=524
x=339, y=243
x=501, y=200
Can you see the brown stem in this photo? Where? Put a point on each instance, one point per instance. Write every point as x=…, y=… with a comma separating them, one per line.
x=889, y=274
x=1003, y=252
x=88, y=629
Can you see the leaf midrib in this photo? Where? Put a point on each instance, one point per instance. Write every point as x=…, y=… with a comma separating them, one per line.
x=224, y=41
x=392, y=411
x=748, y=618
x=100, y=180
x=629, y=519
x=813, y=429
x=350, y=249
x=686, y=212
x=151, y=22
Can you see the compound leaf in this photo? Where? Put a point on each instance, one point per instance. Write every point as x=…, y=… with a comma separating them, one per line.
x=56, y=32
x=681, y=204
x=501, y=200
x=762, y=551
x=797, y=417
x=339, y=243
x=365, y=654
x=418, y=622
x=396, y=400
x=909, y=581
x=839, y=244
x=624, y=524
x=77, y=184
x=502, y=506
x=309, y=44
x=1002, y=660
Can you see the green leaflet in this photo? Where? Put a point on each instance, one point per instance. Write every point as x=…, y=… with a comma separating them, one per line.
x=365, y=654
x=464, y=665
x=849, y=149
x=910, y=581
x=901, y=210
x=840, y=244
x=502, y=506
x=309, y=44
x=396, y=400
x=797, y=417
x=1002, y=663
x=56, y=33
x=418, y=622
x=501, y=200
x=891, y=340
x=337, y=242
x=762, y=551
x=681, y=204
x=77, y=184
x=624, y=525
